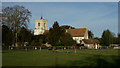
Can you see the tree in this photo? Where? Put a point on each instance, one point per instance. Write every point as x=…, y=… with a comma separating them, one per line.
x=66, y=27
x=24, y=36
x=7, y=36
x=67, y=40
x=16, y=17
x=38, y=37
x=33, y=43
x=114, y=40
x=90, y=34
x=107, y=37
x=57, y=36
x=38, y=40
x=119, y=38
x=55, y=33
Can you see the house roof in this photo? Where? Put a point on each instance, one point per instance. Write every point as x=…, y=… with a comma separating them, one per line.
x=46, y=31
x=77, y=32
x=90, y=41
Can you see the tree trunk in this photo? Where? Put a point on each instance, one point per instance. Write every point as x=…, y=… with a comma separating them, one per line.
x=16, y=40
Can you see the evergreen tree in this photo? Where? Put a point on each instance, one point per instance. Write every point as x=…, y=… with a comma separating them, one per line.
x=58, y=37
x=107, y=37
x=54, y=34
x=67, y=40
x=90, y=34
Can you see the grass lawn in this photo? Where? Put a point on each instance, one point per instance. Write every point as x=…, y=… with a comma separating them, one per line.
x=100, y=58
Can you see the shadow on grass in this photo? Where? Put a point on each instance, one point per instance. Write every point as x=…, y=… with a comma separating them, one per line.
x=89, y=62
x=97, y=62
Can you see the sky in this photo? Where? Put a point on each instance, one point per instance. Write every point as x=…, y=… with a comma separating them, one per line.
x=96, y=16
x=60, y=0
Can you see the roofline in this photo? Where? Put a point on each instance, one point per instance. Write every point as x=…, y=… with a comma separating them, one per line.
x=77, y=36
x=76, y=28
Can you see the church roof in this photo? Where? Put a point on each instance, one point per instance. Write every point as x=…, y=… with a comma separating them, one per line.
x=77, y=32
x=90, y=41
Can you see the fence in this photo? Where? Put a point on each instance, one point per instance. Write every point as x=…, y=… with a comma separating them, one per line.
x=32, y=47
x=44, y=47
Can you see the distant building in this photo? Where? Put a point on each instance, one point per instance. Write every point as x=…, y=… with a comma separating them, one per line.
x=78, y=34
x=91, y=43
x=40, y=26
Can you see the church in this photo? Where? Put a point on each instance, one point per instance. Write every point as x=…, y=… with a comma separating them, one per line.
x=80, y=35
x=77, y=34
x=40, y=26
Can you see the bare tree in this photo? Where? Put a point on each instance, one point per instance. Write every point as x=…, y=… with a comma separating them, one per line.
x=16, y=17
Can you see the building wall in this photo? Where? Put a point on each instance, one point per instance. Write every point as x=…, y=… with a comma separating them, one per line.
x=86, y=34
x=40, y=26
x=77, y=39
x=98, y=45
x=91, y=45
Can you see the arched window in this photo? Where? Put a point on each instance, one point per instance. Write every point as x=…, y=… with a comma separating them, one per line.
x=38, y=24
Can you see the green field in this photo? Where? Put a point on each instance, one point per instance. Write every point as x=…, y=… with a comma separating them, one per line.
x=100, y=58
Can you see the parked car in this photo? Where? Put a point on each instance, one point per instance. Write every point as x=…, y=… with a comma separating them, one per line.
x=72, y=47
x=118, y=47
x=83, y=47
x=103, y=47
x=50, y=48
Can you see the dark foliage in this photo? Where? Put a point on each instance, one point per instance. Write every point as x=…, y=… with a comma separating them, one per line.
x=7, y=36
x=67, y=40
x=58, y=37
x=107, y=38
x=66, y=27
x=24, y=35
x=15, y=17
x=90, y=34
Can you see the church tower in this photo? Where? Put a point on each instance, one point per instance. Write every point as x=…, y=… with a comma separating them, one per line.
x=40, y=26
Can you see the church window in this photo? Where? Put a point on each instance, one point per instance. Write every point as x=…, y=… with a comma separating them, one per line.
x=38, y=24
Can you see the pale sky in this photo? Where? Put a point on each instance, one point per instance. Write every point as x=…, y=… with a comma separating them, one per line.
x=96, y=16
x=60, y=0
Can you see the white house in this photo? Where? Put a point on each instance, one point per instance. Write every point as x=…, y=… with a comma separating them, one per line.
x=78, y=34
